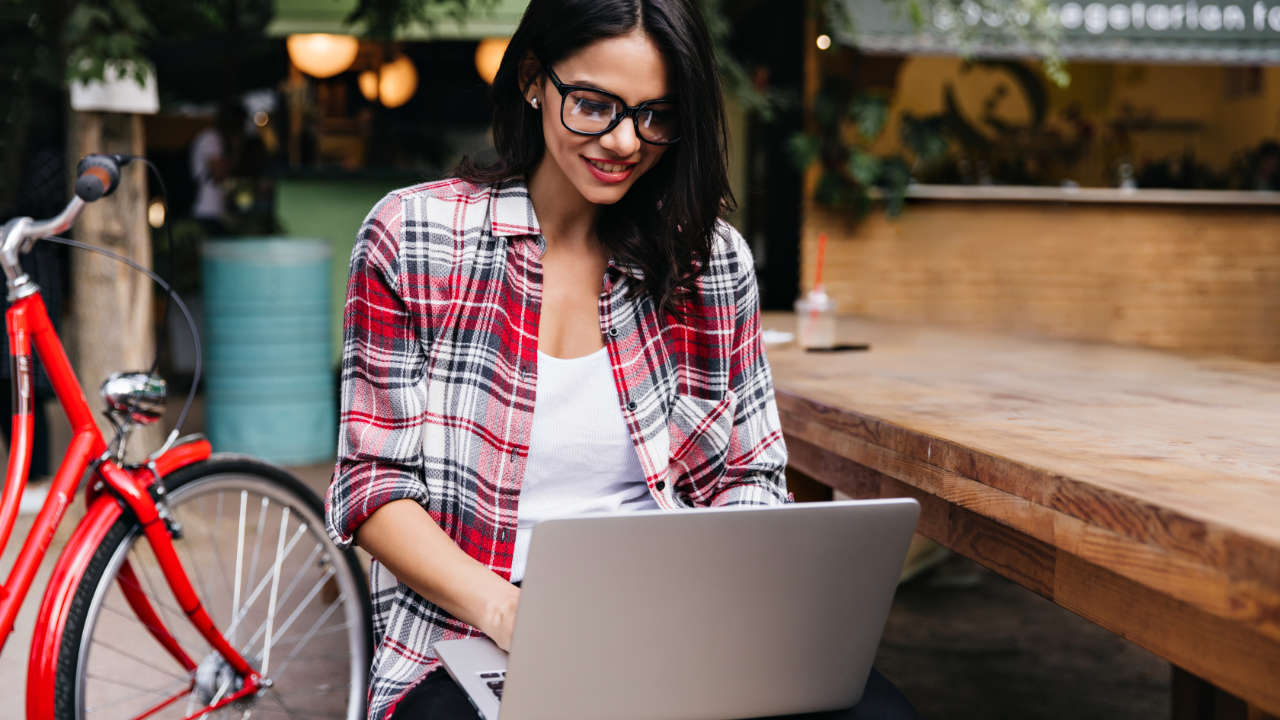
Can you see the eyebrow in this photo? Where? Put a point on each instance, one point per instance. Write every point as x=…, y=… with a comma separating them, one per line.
x=588, y=84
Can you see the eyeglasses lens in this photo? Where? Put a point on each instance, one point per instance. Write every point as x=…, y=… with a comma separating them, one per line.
x=592, y=113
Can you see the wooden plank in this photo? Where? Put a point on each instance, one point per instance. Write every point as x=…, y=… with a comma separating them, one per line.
x=1232, y=656
x=1136, y=489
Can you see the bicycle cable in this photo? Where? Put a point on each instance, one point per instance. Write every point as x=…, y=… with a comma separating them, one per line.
x=170, y=295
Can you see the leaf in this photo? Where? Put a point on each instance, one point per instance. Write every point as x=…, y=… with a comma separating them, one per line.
x=803, y=150
x=895, y=176
x=863, y=167
x=925, y=137
x=869, y=114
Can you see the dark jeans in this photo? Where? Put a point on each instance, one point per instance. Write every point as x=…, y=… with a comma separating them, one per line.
x=439, y=698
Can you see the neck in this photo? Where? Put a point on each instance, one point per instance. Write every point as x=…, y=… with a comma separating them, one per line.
x=566, y=218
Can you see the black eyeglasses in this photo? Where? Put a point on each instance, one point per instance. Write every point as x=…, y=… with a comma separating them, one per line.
x=589, y=111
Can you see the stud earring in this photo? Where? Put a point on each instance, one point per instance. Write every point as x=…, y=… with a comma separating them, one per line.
x=534, y=102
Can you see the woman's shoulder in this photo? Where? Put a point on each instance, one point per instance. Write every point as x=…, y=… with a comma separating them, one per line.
x=432, y=211
x=424, y=195
x=730, y=253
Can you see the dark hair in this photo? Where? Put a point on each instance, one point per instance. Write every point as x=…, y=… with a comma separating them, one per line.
x=666, y=221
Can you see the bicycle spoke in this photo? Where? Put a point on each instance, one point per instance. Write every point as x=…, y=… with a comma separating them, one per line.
x=309, y=713
x=320, y=633
x=167, y=690
x=275, y=584
x=257, y=542
x=140, y=661
x=235, y=595
x=131, y=696
x=262, y=584
x=293, y=585
x=217, y=548
x=310, y=633
x=142, y=569
x=194, y=570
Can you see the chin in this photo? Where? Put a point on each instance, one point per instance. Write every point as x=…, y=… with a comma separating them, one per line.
x=604, y=196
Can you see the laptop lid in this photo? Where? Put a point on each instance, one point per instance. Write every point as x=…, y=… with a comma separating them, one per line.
x=708, y=613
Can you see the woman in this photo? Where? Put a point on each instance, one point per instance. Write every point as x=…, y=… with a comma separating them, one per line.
x=569, y=330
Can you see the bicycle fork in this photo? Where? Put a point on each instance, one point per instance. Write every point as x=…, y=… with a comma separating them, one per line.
x=156, y=531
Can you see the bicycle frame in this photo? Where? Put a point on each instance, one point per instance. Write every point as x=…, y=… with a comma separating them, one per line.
x=132, y=488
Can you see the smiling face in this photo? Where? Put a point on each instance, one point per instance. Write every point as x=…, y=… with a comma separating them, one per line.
x=601, y=168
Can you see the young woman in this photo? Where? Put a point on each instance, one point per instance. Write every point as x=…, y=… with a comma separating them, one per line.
x=572, y=329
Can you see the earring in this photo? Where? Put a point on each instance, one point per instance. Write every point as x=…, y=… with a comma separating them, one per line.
x=534, y=102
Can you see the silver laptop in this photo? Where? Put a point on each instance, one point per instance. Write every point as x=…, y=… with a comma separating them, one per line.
x=709, y=613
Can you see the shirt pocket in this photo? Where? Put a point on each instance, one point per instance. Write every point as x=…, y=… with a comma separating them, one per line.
x=699, y=429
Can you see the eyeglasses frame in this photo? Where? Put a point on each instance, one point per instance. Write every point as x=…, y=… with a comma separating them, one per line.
x=633, y=111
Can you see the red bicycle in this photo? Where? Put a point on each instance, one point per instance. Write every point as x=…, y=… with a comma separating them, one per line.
x=196, y=585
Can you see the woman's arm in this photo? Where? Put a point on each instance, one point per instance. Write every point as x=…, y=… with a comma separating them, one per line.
x=404, y=538
x=755, y=467
x=378, y=492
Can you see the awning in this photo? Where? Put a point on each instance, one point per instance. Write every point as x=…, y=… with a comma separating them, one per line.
x=1218, y=32
x=328, y=16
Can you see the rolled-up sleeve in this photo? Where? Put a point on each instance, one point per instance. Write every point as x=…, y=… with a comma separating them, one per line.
x=755, y=472
x=383, y=395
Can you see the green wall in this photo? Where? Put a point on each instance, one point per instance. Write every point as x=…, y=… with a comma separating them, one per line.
x=331, y=209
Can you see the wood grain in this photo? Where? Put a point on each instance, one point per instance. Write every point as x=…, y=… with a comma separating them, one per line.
x=1138, y=489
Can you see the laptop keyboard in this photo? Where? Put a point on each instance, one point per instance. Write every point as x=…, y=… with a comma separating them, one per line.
x=495, y=680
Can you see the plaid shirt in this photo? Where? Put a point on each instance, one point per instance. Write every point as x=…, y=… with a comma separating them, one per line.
x=439, y=368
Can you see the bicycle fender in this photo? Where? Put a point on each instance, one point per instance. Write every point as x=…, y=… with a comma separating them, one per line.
x=51, y=621
x=183, y=454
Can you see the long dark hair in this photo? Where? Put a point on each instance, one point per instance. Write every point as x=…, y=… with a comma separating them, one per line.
x=665, y=223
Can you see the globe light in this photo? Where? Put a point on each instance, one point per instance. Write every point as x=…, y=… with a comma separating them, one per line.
x=397, y=82
x=824, y=42
x=155, y=213
x=489, y=54
x=368, y=81
x=322, y=55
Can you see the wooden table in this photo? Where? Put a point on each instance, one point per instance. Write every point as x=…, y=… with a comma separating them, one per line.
x=1138, y=489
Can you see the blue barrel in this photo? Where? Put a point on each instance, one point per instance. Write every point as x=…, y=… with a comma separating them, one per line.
x=269, y=387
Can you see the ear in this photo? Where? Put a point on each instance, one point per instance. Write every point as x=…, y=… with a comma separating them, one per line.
x=530, y=75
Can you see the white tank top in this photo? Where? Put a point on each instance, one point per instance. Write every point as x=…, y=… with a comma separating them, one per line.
x=581, y=458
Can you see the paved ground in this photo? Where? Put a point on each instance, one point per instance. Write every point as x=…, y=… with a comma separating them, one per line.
x=961, y=643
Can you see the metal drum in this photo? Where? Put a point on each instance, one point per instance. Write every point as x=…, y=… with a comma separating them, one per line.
x=269, y=388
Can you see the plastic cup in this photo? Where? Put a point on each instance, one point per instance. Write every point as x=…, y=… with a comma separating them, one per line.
x=816, y=320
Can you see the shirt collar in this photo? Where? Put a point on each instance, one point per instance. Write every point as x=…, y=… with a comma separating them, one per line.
x=511, y=211
x=511, y=215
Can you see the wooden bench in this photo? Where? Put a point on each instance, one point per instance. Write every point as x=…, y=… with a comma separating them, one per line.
x=1136, y=488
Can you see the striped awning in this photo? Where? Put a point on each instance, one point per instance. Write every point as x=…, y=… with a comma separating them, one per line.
x=329, y=16
x=1191, y=31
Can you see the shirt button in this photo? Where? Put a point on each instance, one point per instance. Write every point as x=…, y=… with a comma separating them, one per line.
x=514, y=453
x=631, y=405
x=660, y=485
x=502, y=535
x=613, y=332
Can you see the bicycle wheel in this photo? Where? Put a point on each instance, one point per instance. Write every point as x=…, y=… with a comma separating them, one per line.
x=253, y=544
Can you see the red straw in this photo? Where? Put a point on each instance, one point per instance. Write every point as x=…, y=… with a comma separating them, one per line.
x=822, y=252
x=817, y=280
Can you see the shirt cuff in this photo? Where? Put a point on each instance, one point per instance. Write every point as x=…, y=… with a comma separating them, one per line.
x=760, y=492
x=352, y=498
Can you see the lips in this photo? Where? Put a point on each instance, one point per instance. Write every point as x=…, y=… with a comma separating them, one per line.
x=608, y=171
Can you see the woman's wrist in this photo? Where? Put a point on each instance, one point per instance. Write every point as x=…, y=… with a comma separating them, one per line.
x=499, y=613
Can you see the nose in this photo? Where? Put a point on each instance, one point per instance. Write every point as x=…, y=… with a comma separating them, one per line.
x=622, y=141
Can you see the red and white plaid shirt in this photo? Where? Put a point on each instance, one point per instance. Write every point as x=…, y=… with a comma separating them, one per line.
x=439, y=367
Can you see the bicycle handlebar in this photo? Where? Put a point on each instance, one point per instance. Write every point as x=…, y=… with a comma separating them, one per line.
x=96, y=176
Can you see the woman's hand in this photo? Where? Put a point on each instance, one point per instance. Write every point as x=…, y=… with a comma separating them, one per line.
x=501, y=617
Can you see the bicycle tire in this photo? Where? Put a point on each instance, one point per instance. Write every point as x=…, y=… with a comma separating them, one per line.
x=85, y=643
